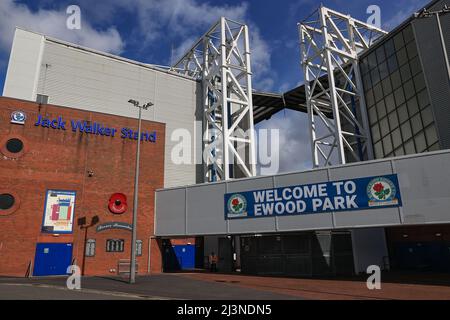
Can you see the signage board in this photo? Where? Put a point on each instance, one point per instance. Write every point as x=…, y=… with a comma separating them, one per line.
x=326, y=197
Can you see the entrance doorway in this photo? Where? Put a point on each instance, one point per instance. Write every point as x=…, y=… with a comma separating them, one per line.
x=52, y=259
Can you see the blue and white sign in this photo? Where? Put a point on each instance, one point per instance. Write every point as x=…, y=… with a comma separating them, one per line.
x=345, y=195
x=18, y=117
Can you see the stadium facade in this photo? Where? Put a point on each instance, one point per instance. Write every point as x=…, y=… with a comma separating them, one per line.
x=387, y=208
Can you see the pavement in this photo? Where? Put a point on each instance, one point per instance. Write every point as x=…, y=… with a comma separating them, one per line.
x=207, y=286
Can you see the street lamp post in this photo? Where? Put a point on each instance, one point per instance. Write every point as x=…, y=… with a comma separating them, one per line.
x=136, y=191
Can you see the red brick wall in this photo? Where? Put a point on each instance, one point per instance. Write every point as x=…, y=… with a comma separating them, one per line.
x=57, y=159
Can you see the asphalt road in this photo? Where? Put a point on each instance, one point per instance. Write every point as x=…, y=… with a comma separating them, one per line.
x=158, y=287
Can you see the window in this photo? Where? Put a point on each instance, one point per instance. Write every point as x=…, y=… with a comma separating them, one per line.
x=6, y=201
x=405, y=72
x=42, y=99
x=139, y=248
x=90, y=248
x=14, y=145
x=402, y=57
x=421, y=144
x=398, y=41
x=115, y=245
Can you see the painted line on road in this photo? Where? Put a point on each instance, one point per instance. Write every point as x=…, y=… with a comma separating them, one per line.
x=92, y=291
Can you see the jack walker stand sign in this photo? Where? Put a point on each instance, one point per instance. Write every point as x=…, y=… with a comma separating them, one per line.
x=345, y=195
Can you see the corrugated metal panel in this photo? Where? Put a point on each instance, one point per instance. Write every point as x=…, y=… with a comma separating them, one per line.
x=433, y=61
x=85, y=80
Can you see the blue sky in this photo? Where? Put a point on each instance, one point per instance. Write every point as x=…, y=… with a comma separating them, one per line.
x=150, y=30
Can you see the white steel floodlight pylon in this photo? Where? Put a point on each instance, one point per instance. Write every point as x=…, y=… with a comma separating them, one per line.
x=221, y=60
x=330, y=43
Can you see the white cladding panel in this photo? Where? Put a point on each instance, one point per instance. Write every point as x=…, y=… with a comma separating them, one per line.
x=85, y=80
x=423, y=181
x=24, y=63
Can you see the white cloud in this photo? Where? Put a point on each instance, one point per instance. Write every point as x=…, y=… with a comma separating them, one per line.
x=188, y=20
x=404, y=10
x=53, y=23
x=180, y=21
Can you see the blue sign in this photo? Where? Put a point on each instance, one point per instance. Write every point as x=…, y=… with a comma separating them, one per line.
x=344, y=195
x=93, y=128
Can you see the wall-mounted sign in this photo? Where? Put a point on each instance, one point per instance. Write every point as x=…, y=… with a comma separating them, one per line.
x=345, y=195
x=93, y=128
x=114, y=225
x=18, y=117
x=59, y=211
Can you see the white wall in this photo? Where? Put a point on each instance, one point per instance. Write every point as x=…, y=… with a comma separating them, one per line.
x=24, y=63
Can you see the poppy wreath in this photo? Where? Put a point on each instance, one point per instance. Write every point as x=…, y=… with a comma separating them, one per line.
x=118, y=203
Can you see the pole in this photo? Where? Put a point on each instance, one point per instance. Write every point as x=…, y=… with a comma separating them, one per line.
x=135, y=204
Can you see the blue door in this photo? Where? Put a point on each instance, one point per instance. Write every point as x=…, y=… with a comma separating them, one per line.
x=52, y=259
x=185, y=255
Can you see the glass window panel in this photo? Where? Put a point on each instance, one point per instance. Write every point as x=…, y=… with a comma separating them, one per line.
x=378, y=92
x=420, y=142
x=413, y=107
x=408, y=34
x=387, y=144
x=381, y=109
x=372, y=60
x=378, y=149
x=392, y=63
x=387, y=87
x=399, y=152
x=373, y=115
x=393, y=120
x=431, y=135
x=367, y=82
x=434, y=147
x=375, y=75
x=364, y=66
x=419, y=82
x=376, y=135
x=411, y=49
x=406, y=131
x=409, y=89
x=409, y=147
x=405, y=72
x=422, y=98
x=399, y=96
x=380, y=54
x=370, y=99
x=384, y=72
x=402, y=57
x=390, y=103
x=384, y=127
x=402, y=113
x=427, y=116
x=398, y=41
x=396, y=80
x=389, y=47
x=396, y=138
x=416, y=124
x=415, y=66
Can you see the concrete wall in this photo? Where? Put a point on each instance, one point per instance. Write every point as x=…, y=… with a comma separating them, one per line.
x=199, y=210
x=82, y=78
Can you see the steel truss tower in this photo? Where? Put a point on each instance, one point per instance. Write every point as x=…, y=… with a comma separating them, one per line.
x=330, y=43
x=221, y=60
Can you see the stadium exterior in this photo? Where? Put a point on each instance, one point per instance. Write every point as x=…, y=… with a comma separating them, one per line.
x=382, y=202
